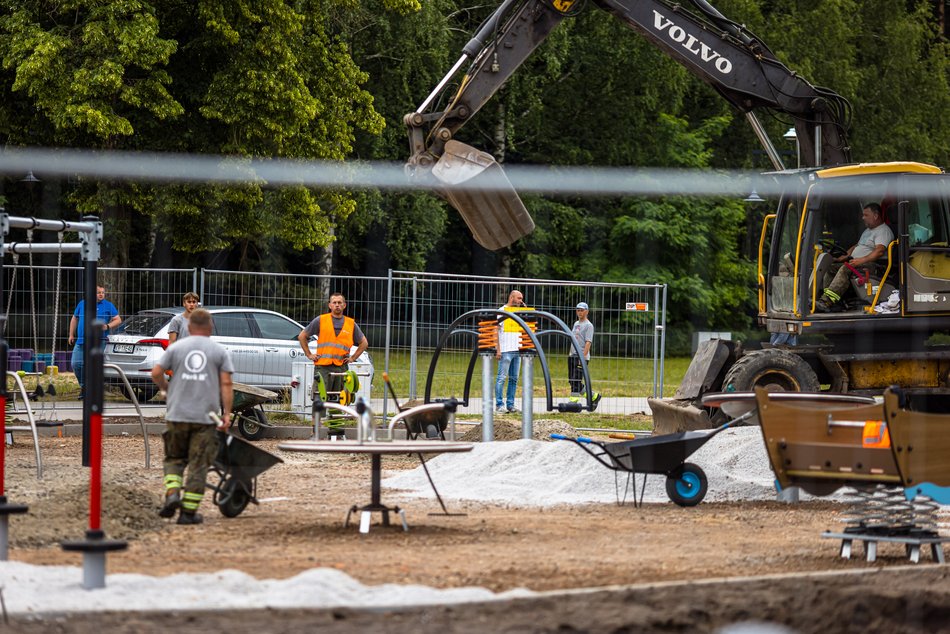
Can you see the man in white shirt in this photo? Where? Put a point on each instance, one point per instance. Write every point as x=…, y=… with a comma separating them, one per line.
x=871, y=245
x=509, y=359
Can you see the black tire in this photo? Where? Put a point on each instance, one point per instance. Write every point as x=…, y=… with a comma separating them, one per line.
x=251, y=423
x=775, y=370
x=234, y=498
x=687, y=485
x=145, y=393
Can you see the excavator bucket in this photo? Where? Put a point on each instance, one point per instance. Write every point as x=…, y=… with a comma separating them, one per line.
x=679, y=413
x=478, y=188
x=670, y=417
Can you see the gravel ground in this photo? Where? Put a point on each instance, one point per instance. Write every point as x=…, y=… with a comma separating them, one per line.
x=695, y=561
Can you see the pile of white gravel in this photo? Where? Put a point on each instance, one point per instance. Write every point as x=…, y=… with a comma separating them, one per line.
x=29, y=589
x=533, y=473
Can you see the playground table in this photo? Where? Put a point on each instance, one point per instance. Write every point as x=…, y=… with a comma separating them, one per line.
x=376, y=450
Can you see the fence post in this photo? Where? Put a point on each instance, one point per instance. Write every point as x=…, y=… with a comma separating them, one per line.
x=201, y=293
x=194, y=280
x=389, y=325
x=656, y=334
x=663, y=340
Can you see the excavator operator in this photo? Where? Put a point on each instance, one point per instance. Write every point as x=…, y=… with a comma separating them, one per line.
x=870, y=246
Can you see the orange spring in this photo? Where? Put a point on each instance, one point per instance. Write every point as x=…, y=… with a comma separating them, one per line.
x=488, y=335
x=526, y=343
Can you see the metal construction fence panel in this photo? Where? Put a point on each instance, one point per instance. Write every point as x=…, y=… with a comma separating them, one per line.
x=626, y=355
x=403, y=315
x=39, y=301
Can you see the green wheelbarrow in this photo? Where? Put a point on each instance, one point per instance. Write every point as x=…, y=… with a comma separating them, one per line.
x=247, y=415
x=237, y=466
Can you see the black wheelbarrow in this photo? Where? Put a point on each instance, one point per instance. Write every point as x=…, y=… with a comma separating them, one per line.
x=237, y=466
x=686, y=483
x=429, y=424
x=249, y=417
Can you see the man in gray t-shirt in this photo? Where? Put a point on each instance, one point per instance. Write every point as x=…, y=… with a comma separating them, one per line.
x=201, y=385
x=178, y=326
x=583, y=332
x=870, y=246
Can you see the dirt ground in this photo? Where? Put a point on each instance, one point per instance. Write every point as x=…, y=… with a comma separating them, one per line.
x=299, y=525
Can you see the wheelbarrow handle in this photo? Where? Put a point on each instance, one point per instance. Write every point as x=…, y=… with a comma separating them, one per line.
x=578, y=439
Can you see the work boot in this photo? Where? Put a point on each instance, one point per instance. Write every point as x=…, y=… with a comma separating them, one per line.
x=823, y=306
x=172, y=503
x=190, y=518
x=595, y=401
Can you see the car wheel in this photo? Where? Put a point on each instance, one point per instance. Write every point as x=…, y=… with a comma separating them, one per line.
x=144, y=393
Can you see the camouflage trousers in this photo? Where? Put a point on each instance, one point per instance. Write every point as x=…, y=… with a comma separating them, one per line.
x=190, y=447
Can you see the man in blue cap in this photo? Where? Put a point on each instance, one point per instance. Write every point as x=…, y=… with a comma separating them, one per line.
x=583, y=332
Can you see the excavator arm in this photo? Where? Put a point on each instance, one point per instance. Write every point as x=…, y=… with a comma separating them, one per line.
x=717, y=50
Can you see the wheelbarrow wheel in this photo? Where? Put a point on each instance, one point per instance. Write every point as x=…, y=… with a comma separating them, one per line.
x=234, y=498
x=687, y=485
x=251, y=423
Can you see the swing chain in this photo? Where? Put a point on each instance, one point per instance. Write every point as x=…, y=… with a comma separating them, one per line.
x=36, y=339
x=59, y=276
x=16, y=266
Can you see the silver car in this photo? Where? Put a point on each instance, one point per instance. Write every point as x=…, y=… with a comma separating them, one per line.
x=263, y=346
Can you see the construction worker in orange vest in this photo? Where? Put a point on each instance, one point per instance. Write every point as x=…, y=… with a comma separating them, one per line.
x=336, y=335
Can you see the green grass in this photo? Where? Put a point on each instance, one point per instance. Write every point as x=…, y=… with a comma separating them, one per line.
x=610, y=377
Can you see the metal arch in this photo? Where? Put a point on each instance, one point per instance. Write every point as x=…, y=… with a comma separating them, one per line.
x=563, y=329
x=486, y=312
x=580, y=354
x=138, y=409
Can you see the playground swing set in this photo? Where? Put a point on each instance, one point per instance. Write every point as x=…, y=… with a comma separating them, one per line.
x=95, y=545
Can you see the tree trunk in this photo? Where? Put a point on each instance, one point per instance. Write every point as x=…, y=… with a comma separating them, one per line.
x=500, y=141
x=323, y=266
x=116, y=232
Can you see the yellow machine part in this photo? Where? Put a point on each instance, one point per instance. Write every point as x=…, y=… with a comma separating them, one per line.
x=903, y=372
x=931, y=264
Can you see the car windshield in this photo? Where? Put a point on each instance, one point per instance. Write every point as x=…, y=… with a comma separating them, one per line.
x=144, y=324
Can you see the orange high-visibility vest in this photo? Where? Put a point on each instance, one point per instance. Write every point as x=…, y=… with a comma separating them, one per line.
x=332, y=348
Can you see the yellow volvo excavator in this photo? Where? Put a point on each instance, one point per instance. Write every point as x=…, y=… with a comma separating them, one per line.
x=879, y=334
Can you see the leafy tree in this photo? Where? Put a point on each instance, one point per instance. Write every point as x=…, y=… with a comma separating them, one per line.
x=244, y=78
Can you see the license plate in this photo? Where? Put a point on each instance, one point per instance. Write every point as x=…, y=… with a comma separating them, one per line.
x=127, y=348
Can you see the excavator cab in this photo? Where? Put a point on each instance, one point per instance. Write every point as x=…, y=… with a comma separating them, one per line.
x=820, y=219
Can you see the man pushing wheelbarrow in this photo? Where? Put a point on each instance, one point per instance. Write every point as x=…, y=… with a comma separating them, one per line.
x=202, y=369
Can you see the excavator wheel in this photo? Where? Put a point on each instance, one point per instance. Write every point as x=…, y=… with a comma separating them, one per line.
x=775, y=370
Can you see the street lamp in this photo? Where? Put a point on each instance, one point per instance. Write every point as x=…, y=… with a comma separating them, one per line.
x=753, y=197
x=31, y=181
x=792, y=135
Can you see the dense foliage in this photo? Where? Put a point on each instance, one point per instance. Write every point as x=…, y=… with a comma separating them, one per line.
x=332, y=79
